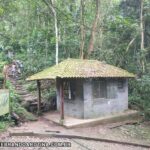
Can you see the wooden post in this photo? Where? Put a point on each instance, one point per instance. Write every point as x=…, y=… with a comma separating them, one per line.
x=61, y=102
x=39, y=97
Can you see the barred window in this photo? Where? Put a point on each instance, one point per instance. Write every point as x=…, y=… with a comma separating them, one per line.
x=120, y=84
x=73, y=89
x=112, y=90
x=99, y=88
x=69, y=90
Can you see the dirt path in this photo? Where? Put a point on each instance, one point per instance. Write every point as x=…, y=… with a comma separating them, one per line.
x=101, y=131
x=75, y=144
x=43, y=125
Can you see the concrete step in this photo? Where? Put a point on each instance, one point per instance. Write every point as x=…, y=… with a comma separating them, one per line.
x=28, y=95
x=22, y=92
x=30, y=98
x=71, y=122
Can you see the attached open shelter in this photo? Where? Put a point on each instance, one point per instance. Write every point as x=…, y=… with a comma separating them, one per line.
x=87, y=88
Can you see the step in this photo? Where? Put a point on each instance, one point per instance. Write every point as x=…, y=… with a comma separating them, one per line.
x=30, y=99
x=22, y=93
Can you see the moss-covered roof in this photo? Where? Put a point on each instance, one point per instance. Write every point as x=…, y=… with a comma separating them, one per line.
x=80, y=68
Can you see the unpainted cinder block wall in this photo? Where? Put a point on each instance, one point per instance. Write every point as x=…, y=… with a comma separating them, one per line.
x=74, y=107
x=87, y=107
x=100, y=107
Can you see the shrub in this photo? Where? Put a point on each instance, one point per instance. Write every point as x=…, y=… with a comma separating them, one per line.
x=139, y=95
x=16, y=106
x=5, y=122
x=3, y=125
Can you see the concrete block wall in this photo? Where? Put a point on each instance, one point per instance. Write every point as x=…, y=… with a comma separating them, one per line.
x=100, y=107
x=72, y=108
x=92, y=108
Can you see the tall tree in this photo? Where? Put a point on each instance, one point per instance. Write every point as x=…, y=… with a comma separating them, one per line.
x=93, y=31
x=142, y=36
x=82, y=29
x=51, y=7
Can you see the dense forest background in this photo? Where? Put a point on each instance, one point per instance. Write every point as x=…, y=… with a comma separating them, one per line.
x=43, y=32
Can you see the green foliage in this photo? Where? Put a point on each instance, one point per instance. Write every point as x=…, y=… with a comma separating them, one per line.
x=139, y=95
x=3, y=125
x=16, y=106
x=31, y=87
x=23, y=113
x=5, y=122
x=2, y=63
x=48, y=94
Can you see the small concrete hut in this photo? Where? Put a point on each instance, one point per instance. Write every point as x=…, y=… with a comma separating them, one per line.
x=87, y=88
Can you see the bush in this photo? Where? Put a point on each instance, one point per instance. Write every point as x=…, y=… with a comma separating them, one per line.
x=5, y=122
x=16, y=107
x=31, y=87
x=3, y=125
x=24, y=114
x=139, y=95
x=2, y=63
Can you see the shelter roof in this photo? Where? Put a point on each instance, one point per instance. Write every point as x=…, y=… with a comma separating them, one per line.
x=81, y=68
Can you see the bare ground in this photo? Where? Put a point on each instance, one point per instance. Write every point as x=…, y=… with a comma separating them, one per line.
x=133, y=133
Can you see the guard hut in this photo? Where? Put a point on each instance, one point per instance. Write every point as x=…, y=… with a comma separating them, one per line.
x=87, y=88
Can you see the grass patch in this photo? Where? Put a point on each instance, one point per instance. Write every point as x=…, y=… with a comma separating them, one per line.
x=3, y=125
x=24, y=114
x=139, y=131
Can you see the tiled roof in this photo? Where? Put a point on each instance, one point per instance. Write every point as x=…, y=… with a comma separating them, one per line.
x=81, y=68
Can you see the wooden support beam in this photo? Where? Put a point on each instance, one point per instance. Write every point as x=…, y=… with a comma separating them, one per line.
x=61, y=102
x=39, y=97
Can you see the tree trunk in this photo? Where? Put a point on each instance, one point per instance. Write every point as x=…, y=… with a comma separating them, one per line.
x=56, y=34
x=93, y=31
x=142, y=36
x=46, y=49
x=82, y=30
x=51, y=7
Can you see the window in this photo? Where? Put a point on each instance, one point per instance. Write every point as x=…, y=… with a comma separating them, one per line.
x=79, y=89
x=111, y=90
x=69, y=90
x=120, y=84
x=73, y=89
x=99, y=88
